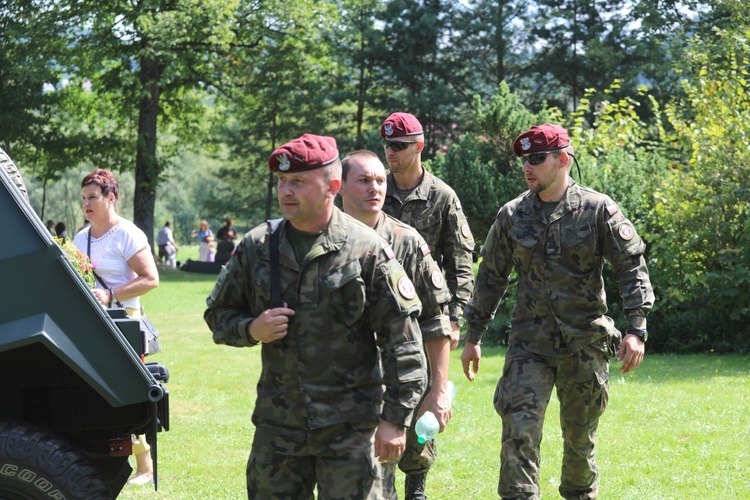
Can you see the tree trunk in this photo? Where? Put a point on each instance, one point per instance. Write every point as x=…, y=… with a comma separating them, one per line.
x=146, y=164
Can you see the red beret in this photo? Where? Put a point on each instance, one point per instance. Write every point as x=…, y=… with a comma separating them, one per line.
x=400, y=125
x=304, y=153
x=541, y=138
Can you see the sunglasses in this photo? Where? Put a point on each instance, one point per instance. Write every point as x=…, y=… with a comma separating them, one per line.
x=397, y=145
x=536, y=158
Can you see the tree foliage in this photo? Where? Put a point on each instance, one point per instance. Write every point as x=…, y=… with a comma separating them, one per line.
x=192, y=96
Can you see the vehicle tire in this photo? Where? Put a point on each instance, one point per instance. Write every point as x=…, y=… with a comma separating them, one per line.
x=13, y=173
x=35, y=463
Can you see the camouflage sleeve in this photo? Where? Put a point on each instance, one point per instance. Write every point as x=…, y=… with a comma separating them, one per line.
x=433, y=293
x=492, y=281
x=458, y=245
x=624, y=248
x=227, y=315
x=392, y=312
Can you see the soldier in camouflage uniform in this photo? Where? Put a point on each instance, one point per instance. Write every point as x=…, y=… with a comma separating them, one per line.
x=343, y=361
x=556, y=237
x=363, y=193
x=429, y=205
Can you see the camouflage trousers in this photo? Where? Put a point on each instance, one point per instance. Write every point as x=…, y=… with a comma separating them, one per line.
x=521, y=399
x=289, y=463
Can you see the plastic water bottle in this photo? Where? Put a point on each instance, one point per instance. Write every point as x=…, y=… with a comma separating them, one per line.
x=428, y=426
x=451, y=391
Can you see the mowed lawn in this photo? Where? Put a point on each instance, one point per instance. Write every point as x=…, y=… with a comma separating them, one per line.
x=677, y=428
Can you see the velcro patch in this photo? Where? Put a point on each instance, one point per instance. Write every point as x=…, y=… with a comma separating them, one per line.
x=425, y=249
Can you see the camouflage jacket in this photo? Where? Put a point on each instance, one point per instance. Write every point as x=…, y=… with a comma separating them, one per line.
x=559, y=265
x=413, y=254
x=434, y=210
x=350, y=296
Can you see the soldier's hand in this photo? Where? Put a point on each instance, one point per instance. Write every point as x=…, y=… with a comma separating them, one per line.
x=455, y=334
x=470, y=360
x=271, y=325
x=439, y=403
x=390, y=441
x=631, y=353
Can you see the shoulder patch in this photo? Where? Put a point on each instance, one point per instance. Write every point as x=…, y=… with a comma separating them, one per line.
x=458, y=204
x=425, y=249
x=626, y=231
x=406, y=288
x=465, y=231
x=437, y=279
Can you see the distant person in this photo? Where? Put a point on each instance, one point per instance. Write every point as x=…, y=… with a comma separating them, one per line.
x=51, y=227
x=167, y=246
x=225, y=248
x=556, y=237
x=205, y=237
x=61, y=231
x=327, y=409
x=124, y=269
x=223, y=230
x=212, y=251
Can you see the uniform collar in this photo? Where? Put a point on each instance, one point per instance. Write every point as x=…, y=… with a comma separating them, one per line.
x=384, y=228
x=572, y=200
x=421, y=192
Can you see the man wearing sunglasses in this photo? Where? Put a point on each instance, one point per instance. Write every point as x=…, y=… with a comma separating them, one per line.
x=556, y=237
x=428, y=204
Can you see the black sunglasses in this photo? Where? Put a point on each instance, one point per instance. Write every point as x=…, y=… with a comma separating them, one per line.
x=397, y=145
x=536, y=158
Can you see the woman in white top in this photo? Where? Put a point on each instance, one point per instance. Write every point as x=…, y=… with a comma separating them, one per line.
x=122, y=259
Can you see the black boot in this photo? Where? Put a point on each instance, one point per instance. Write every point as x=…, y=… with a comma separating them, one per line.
x=415, y=486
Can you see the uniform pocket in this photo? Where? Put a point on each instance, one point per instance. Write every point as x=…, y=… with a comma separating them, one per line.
x=580, y=248
x=429, y=227
x=346, y=290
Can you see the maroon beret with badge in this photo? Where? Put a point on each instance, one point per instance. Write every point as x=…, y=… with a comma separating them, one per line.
x=304, y=153
x=541, y=138
x=400, y=125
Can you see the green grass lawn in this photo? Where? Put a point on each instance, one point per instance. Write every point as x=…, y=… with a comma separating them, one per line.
x=676, y=428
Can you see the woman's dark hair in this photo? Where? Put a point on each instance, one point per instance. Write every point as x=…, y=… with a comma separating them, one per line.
x=105, y=180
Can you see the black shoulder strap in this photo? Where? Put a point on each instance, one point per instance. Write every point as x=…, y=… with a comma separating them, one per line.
x=274, y=230
x=98, y=278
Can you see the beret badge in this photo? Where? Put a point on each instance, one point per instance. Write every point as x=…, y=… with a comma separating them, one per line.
x=525, y=143
x=388, y=128
x=284, y=162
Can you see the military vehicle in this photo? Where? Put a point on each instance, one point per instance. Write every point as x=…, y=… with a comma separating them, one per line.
x=73, y=383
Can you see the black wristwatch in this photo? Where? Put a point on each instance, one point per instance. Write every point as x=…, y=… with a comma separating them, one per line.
x=457, y=319
x=641, y=334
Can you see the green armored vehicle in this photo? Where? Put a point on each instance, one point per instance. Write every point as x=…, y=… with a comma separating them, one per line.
x=73, y=384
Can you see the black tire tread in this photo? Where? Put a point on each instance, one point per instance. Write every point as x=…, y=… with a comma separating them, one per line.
x=53, y=457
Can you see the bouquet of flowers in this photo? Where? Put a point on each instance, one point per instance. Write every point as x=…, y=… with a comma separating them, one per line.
x=80, y=261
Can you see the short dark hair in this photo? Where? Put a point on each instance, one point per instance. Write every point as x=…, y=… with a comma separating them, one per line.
x=359, y=154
